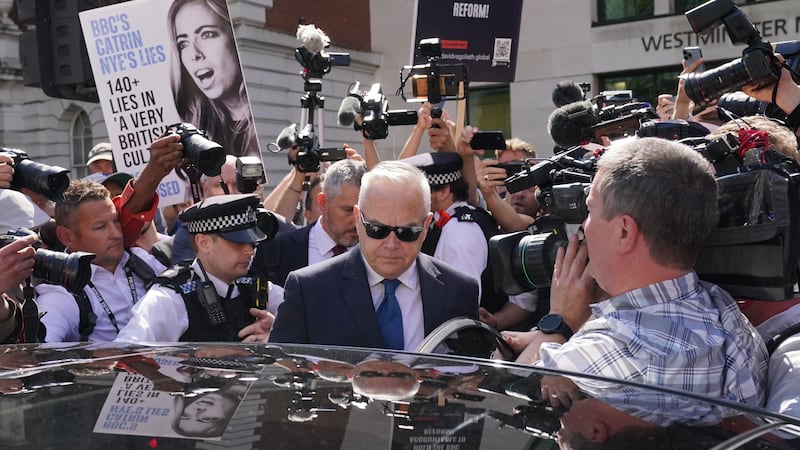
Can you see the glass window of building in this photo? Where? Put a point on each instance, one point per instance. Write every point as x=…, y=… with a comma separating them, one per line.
x=646, y=86
x=81, y=144
x=681, y=6
x=490, y=109
x=616, y=10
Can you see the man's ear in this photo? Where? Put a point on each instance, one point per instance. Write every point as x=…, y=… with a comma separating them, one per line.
x=66, y=236
x=203, y=243
x=598, y=430
x=627, y=233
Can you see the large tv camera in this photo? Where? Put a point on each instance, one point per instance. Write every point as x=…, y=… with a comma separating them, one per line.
x=50, y=181
x=70, y=270
x=524, y=260
x=373, y=107
x=758, y=64
x=432, y=81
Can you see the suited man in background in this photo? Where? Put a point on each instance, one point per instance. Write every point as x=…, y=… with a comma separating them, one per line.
x=331, y=235
x=385, y=294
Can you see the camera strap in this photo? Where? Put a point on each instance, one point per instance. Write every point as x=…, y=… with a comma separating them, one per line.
x=104, y=304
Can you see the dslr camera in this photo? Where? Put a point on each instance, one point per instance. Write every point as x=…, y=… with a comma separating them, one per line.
x=70, y=270
x=50, y=181
x=758, y=64
x=205, y=154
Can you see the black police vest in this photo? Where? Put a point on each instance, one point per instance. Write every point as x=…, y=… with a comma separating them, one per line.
x=490, y=298
x=184, y=281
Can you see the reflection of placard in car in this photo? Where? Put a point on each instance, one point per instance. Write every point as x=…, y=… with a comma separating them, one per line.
x=431, y=426
x=753, y=253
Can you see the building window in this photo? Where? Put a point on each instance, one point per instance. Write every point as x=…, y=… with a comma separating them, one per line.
x=490, y=109
x=81, y=144
x=617, y=10
x=681, y=6
x=646, y=86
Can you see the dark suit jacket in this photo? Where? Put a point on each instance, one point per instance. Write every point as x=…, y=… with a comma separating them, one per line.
x=330, y=303
x=289, y=251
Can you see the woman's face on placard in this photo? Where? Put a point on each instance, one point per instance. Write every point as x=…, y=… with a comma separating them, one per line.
x=207, y=49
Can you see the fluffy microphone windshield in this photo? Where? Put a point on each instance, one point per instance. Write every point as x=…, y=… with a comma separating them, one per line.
x=348, y=109
x=568, y=124
x=313, y=39
x=567, y=92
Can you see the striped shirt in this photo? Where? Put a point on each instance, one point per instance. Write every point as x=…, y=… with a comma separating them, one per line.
x=681, y=333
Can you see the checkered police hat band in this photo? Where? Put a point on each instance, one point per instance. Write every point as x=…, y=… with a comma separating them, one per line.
x=223, y=224
x=443, y=178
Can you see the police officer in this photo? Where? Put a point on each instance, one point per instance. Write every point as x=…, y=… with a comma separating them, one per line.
x=212, y=299
x=459, y=232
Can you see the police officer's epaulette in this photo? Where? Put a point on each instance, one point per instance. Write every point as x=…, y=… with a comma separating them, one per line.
x=180, y=278
x=465, y=214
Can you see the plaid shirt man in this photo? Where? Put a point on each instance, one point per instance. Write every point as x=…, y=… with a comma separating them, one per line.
x=681, y=333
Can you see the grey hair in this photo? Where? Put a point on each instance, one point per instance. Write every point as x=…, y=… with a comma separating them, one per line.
x=399, y=173
x=346, y=171
x=668, y=189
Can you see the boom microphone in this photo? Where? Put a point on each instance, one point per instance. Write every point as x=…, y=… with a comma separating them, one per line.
x=348, y=109
x=567, y=124
x=313, y=39
x=567, y=92
x=287, y=137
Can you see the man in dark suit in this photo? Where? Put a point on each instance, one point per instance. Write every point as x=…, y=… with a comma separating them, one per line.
x=385, y=294
x=333, y=234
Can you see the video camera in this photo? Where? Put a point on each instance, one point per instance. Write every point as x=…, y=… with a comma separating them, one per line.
x=524, y=260
x=312, y=55
x=374, y=109
x=70, y=270
x=433, y=82
x=50, y=181
x=758, y=64
x=316, y=63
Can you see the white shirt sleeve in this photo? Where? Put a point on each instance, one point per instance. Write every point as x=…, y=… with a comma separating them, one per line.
x=59, y=313
x=463, y=246
x=527, y=300
x=160, y=316
x=275, y=298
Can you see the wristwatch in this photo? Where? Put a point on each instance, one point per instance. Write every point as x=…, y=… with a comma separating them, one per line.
x=554, y=324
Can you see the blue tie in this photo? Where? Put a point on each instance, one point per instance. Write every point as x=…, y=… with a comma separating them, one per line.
x=390, y=318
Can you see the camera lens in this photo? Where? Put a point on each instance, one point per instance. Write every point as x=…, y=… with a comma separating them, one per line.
x=710, y=85
x=206, y=155
x=71, y=270
x=50, y=181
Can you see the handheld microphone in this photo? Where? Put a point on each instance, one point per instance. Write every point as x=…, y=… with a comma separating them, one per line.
x=567, y=92
x=348, y=109
x=286, y=139
x=567, y=124
x=313, y=39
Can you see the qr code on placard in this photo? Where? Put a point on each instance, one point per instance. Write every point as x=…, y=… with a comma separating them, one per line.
x=502, y=50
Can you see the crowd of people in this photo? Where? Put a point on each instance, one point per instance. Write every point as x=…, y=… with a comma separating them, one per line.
x=371, y=253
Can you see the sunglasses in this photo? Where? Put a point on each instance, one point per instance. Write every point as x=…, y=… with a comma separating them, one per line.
x=381, y=231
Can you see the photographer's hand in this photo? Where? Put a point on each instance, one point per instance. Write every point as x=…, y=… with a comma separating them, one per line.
x=490, y=178
x=787, y=96
x=440, y=137
x=572, y=289
x=16, y=260
x=166, y=153
x=6, y=171
x=683, y=104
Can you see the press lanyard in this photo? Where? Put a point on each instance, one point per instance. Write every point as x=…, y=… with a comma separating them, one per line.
x=103, y=302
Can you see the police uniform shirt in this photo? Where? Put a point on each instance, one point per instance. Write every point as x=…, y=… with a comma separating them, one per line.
x=320, y=244
x=61, y=315
x=161, y=315
x=462, y=245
